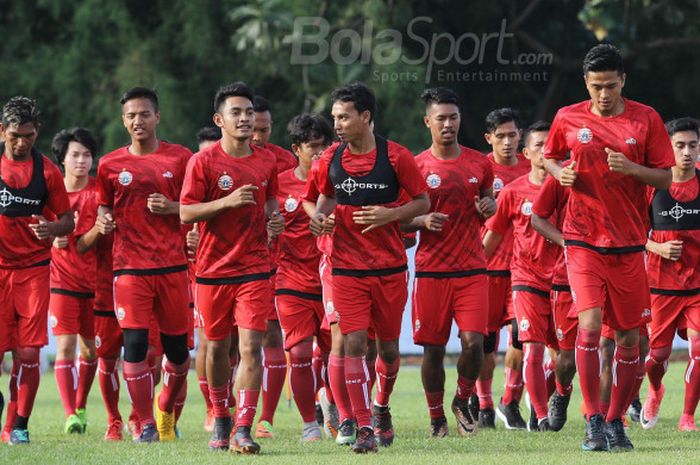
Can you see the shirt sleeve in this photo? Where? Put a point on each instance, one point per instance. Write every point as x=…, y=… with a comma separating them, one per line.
x=556, y=147
x=324, y=184
x=311, y=192
x=487, y=182
x=194, y=186
x=57, y=199
x=409, y=175
x=547, y=200
x=659, y=151
x=500, y=222
x=272, y=184
x=105, y=189
x=87, y=215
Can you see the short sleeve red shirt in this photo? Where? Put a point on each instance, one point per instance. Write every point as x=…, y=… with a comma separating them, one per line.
x=143, y=240
x=70, y=270
x=551, y=204
x=533, y=256
x=285, y=159
x=19, y=248
x=234, y=242
x=104, y=298
x=380, y=248
x=608, y=210
x=453, y=184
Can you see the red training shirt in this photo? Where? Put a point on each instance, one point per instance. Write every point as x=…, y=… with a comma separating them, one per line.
x=551, y=203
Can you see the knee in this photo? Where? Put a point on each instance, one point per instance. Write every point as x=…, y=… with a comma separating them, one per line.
x=660, y=354
x=566, y=361
x=88, y=352
x=433, y=355
x=135, y=345
x=389, y=351
x=514, y=340
x=175, y=348
x=473, y=344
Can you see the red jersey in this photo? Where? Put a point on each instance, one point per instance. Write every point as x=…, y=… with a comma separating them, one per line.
x=144, y=241
x=104, y=297
x=71, y=271
x=19, y=248
x=324, y=243
x=285, y=159
x=233, y=243
x=299, y=256
x=551, y=203
x=453, y=184
x=606, y=209
x=533, y=256
x=381, y=248
x=502, y=176
x=681, y=274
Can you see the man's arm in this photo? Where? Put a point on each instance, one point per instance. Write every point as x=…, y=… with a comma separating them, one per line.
x=104, y=225
x=670, y=250
x=491, y=241
x=44, y=229
x=547, y=229
x=565, y=175
x=320, y=221
x=161, y=205
x=196, y=212
x=659, y=178
x=376, y=216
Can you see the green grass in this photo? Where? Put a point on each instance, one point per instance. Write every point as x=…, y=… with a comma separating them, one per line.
x=662, y=445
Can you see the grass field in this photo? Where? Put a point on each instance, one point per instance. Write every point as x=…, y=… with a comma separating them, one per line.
x=662, y=445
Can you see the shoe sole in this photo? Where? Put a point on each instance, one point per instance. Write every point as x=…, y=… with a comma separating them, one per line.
x=461, y=428
x=647, y=424
x=596, y=449
x=363, y=450
x=246, y=450
x=503, y=418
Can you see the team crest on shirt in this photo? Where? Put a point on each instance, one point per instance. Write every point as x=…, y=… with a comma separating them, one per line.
x=498, y=184
x=646, y=313
x=524, y=325
x=168, y=174
x=417, y=326
x=98, y=342
x=526, y=208
x=125, y=178
x=121, y=313
x=473, y=180
x=584, y=135
x=53, y=321
x=291, y=204
x=225, y=182
x=560, y=334
x=330, y=308
x=433, y=180
x=631, y=141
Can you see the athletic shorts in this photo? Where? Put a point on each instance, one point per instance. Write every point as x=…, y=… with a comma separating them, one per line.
x=565, y=326
x=71, y=314
x=671, y=313
x=109, y=338
x=300, y=318
x=272, y=315
x=438, y=301
x=533, y=312
x=500, y=302
x=379, y=301
x=24, y=294
x=616, y=283
x=224, y=306
x=324, y=271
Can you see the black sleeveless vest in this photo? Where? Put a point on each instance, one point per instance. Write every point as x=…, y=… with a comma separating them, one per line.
x=379, y=186
x=26, y=201
x=668, y=214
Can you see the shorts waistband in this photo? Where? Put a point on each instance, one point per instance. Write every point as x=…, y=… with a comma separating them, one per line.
x=76, y=294
x=675, y=292
x=366, y=273
x=531, y=289
x=561, y=287
x=498, y=273
x=605, y=250
x=300, y=294
x=246, y=278
x=150, y=271
x=450, y=274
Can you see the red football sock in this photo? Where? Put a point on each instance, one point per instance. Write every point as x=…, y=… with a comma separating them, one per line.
x=302, y=380
x=326, y=379
x=139, y=381
x=28, y=380
x=174, y=376
x=274, y=373
x=357, y=382
x=638, y=380
x=692, y=376
x=66, y=382
x=435, y=404
x=550, y=377
x=588, y=367
x=219, y=400
x=204, y=387
x=86, y=375
x=386, y=378
x=483, y=389
x=180, y=401
x=514, y=386
x=109, y=386
x=152, y=359
x=604, y=407
x=656, y=364
x=465, y=387
x=233, y=360
x=247, y=404
x=12, y=404
x=317, y=367
x=336, y=378
x=563, y=390
x=624, y=368
x=534, y=377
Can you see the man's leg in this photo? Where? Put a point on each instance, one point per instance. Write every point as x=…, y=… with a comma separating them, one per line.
x=692, y=381
x=607, y=351
x=433, y=378
x=87, y=367
x=200, y=363
x=248, y=380
x=274, y=374
x=67, y=378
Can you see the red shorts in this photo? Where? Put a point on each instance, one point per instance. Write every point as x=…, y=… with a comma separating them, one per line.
x=500, y=302
x=671, y=313
x=69, y=314
x=378, y=301
x=223, y=306
x=300, y=318
x=108, y=334
x=616, y=283
x=24, y=294
x=533, y=311
x=565, y=326
x=437, y=301
x=272, y=315
x=324, y=270
x=141, y=299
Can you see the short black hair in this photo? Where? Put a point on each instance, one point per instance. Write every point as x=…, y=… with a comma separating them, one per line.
x=682, y=125
x=235, y=89
x=20, y=110
x=59, y=145
x=308, y=126
x=141, y=92
x=437, y=95
x=260, y=104
x=537, y=126
x=501, y=116
x=603, y=57
x=206, y=133
x=359, y=94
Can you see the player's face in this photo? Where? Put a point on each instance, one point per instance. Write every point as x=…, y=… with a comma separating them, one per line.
x=534, y=148
x=236, y=118
x=685, y=148
x=262, y=129
x=310, y=150
x=443, y=120
x=19, y=139
x=140, y=118
x=348, y=123
x=206, y=143
x=78, y=160
x=504, y=140
x=605, y=89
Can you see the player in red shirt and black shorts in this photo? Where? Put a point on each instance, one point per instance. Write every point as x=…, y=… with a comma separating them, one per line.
x=672, y=267
x=363, y=176
x=139, y=187
x=617, y=147
x=230, y=190
x=31, y=189
x=450, y=281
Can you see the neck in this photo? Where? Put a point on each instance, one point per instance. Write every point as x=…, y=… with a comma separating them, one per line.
x=681, y=175
x=617, y=109
x=144, y=147
x=75, y=183
x=238, y=148
x=15, y=157
x=537, y=176
x=302, y=170
x=446, y=151
x=505, y=161
x=363, y=144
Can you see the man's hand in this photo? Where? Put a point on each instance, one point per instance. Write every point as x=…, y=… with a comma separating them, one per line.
x=159, y=204
x=670, y=250
x=60, y=242
x=373, y=215
x=619, y=163
x=485, y=206
x=275, y=225
x=192, y=240
x=244, y=195
x=42, y=228
x=434, y=221
x=567, y=175
x=105, y=224
x=317, y=225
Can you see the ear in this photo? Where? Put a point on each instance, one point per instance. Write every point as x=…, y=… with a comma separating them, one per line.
x=157, y=117
x=624, y=78
x=426, y=120
x=218, y=120
x=366, y=116
x=296, y=149
x=487, y=136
